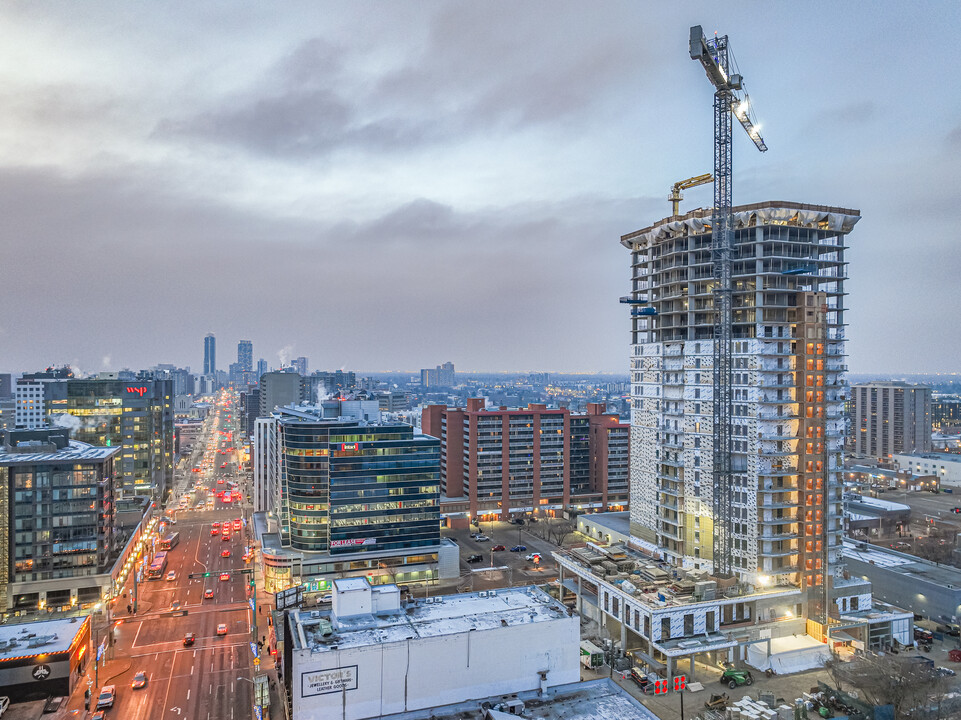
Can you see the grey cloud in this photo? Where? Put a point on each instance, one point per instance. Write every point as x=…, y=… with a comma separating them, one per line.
x=474, y=74
x=150, y=257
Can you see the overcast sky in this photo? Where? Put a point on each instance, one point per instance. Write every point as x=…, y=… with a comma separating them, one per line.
x=392, y=185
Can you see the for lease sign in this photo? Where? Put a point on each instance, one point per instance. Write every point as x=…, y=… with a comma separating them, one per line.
x=355, y=542
x=322, y=682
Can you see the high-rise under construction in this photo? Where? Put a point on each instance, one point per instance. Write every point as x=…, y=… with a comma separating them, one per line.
x=788, y=367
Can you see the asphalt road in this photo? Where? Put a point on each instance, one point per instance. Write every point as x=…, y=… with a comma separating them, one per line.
x=212, y=680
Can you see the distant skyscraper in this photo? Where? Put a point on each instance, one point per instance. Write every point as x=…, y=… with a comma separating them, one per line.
x=440, y=376
x=891, y=418
x=245, y=355
x=261, y=367
x=300, y=364
x=210, y=354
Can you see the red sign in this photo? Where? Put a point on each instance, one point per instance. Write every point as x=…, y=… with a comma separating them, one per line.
x=138, y=390
x=680, y=683
x=660, y=687
x=349, y=446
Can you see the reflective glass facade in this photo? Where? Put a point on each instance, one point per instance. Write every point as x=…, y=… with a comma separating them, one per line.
x=136, y=415
x=348, y=488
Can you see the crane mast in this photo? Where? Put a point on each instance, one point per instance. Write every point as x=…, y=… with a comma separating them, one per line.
x=714, y=57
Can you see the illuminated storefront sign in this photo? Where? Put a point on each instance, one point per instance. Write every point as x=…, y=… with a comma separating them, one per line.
x=141, y=390
x=350, y=447
x=356, y=542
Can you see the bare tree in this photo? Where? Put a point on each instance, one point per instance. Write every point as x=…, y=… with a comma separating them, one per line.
x=909, y=684
x=559, y=530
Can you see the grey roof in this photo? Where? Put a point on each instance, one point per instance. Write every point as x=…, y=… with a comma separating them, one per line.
x=619, y=522
x=38, y=638
x=75, y=452
x=903, y=564
x=579, y=701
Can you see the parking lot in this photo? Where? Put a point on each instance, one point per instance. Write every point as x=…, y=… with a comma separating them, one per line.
x=517, y=569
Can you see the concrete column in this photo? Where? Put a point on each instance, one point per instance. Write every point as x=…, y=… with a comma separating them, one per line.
x=670, y=667
x=580, y=584
x=623, y=626
x=690, y=677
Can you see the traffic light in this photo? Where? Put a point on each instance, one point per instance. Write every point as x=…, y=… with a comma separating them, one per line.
x=680, y=683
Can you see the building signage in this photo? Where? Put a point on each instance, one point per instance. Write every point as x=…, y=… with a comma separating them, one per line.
x=355, y=542
x=324, y=682
x=41, y=672
x=138, y=390
x=350, y=447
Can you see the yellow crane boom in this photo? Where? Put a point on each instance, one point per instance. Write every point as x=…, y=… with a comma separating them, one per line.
x=676, y=196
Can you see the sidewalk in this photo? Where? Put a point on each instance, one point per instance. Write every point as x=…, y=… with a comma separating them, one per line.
x=109, y=669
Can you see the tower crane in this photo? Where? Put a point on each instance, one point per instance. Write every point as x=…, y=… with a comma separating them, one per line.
x=675, y=197
x=713, y=55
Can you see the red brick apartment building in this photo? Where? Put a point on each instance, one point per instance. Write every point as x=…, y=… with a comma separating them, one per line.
x=506, y=462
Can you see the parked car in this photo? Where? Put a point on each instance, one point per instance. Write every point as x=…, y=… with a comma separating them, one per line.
x=482, y=538
x=475, y=558
x=945, y=672
x=53, y=704
x=519, y=548
x=498, y=548
x=951, y=630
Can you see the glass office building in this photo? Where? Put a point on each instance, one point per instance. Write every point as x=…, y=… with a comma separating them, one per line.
x=349, y=487
x=136, y=415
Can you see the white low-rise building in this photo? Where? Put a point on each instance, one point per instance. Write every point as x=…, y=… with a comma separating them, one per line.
x=945, y=466
x=371, y=656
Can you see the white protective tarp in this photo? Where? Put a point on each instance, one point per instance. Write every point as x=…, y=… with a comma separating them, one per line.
x=788, y=654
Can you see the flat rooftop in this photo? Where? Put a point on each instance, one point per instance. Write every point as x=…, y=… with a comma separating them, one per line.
x=591, y=700
x=429, y=617
x=878, y=503
x=943, y=457
x=38, y=638
x=903, y=564
x=656, y=587
x=619, y=522
x=74, y=452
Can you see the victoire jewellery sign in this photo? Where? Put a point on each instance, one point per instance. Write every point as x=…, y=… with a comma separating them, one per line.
x=324, y=682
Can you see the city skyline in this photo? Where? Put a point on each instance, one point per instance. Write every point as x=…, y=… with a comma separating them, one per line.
x=467, y=204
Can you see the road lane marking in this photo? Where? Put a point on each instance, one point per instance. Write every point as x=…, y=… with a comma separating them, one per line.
x=188, y=693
